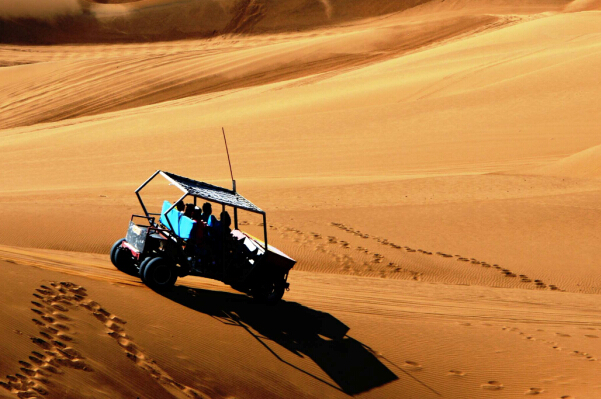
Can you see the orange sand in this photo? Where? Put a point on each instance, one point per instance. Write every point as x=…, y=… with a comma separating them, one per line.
x=434, y=167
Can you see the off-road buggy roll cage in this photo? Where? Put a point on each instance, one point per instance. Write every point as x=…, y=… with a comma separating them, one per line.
x=209, y=192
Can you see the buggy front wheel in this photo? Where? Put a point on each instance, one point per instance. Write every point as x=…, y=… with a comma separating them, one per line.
x=122, y=258
x=114, y=250
x=159, y=274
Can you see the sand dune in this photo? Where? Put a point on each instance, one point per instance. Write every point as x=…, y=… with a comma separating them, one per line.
x=583, y=5
x=585, y=165
x=432, y=165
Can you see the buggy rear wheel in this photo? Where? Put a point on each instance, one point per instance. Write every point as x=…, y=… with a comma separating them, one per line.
x=159, y=274
x=270, y=293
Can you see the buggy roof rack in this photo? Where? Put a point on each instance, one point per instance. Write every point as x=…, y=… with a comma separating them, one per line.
x=206, y=191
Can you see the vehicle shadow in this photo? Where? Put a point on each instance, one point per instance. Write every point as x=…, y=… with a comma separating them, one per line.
x=320, y=336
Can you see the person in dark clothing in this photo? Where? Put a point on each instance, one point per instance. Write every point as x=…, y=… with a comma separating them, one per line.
x=207, y=215
x=225, y=223
x=189, y=212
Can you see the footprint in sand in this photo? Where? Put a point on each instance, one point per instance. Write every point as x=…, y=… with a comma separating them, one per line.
x=563, y=335
x=411, y=365
x=540, y=284
x=588, y=357
x=492, y=386
x=456, y=373
x=591, y=336
x=534, y=391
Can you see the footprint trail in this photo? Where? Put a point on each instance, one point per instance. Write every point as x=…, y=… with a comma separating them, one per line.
x=56, y=348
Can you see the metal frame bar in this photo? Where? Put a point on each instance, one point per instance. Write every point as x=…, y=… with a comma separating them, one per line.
x=149, y=219
x=141, y=187
x=265, y=231
x=171, y=208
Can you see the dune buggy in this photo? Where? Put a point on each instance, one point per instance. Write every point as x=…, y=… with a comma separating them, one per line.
x=159, y=248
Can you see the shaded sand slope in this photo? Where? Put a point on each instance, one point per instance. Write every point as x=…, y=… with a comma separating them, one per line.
x=89, y=21
x=87, y=332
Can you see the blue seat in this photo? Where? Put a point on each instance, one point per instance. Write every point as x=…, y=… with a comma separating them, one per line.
x=182, y=225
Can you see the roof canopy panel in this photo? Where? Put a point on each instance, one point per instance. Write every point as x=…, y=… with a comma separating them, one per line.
x=211, y=193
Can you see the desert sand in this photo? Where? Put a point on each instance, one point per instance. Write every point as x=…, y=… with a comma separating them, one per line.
x=433, y=166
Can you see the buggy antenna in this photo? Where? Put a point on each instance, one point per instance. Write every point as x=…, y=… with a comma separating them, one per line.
x=228, y=159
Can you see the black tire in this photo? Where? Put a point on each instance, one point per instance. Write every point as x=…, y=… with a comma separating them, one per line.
x=276, y=294
x=270, y=293
x=159, y=274
x=122, y=258
x=114, y=249
x=143, y=267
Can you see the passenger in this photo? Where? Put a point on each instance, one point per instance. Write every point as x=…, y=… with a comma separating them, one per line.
x=225, y=223
x=197, y=214
x=201, y=226
x=196, y=248
x=207, y=209
x=207, y=216
x=189, y=210
x=219, y=235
